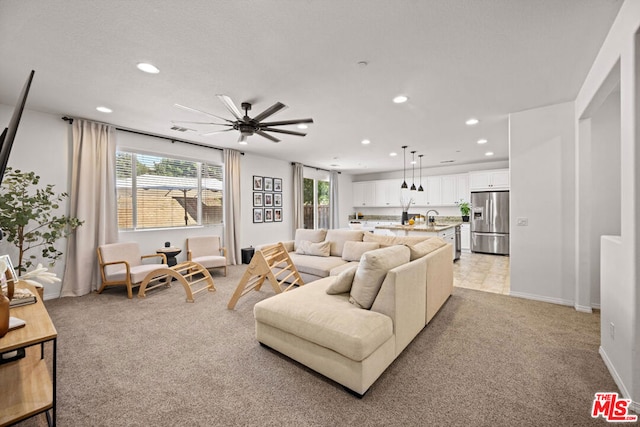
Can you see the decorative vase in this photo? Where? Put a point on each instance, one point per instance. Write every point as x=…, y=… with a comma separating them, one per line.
x=405, y=217
x=4, y=305
x=465, y=218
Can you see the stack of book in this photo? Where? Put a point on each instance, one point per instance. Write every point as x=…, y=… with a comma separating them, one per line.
x=22, y=296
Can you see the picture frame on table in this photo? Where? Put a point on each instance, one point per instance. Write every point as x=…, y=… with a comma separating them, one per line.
x=257, y=215
x=277, y=199
x=277, y=215
x=268, y=199
x=268, y=215
x=258, y=200
x=277, y=184
x=257, y=183
x=268, y=184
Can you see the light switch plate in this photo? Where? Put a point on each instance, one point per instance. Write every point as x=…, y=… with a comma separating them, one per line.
x=523, y=221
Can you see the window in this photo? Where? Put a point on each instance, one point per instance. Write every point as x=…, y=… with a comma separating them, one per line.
x=316, y=203
x=160, y=192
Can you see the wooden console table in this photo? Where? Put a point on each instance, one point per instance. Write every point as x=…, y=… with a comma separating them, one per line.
x=26, y=387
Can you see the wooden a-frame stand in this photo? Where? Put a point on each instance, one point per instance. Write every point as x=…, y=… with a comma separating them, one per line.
x=261, y=268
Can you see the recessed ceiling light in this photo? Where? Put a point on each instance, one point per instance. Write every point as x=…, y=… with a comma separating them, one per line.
x=365, y=142
x=393, y=154
x=302, y=126
x=104, y=109
x=400, y=99
x=148, y=68
x=482, y=141
x=242, y=142
x=472, y=121
x=489, y=153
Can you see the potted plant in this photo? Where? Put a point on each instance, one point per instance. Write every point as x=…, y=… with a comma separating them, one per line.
x=465, y=210
x=29, y=220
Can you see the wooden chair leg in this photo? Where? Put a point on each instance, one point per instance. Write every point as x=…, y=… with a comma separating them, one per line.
x=102, y=288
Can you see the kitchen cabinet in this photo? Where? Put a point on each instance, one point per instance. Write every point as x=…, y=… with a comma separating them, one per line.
x=387, y=192
x=497, y=179
x=364, y=193
x=465, y=237
x=434, y=191
x=462, y=187
x=448, y=189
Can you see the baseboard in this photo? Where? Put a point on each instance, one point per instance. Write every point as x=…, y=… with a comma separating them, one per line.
x=541, y=298
x=635, y=406
x=583, y=308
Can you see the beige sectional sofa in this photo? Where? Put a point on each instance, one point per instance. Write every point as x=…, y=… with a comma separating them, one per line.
x=351, y=326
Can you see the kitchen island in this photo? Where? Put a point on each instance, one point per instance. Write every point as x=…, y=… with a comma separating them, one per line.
x=446, y=231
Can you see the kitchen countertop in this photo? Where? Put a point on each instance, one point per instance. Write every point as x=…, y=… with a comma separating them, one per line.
x=420, y=227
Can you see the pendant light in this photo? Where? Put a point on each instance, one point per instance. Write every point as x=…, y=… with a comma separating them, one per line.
x=404, y=179
x=413, y=171
x=420, y=188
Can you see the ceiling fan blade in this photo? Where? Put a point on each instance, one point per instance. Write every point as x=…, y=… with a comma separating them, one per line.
x=215, y=131
x=272, y=138
x=184, y=107
x=230, y=106
x=201, y=123
x=287, y=122
x=288, y=132
x=269, y=111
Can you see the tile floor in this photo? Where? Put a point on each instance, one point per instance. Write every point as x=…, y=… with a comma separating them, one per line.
x=482, y=272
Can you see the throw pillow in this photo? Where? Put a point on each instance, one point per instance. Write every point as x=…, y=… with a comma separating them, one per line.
x=352, y=251
x=343, y=281
x=425, y=247
x=311, y=248
x=338, y=238
x=310, y=235
x=371, y=272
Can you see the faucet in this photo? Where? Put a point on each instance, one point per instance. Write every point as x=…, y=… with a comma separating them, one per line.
x=432, y=220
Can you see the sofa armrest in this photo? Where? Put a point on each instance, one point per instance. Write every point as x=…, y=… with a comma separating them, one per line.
x=439, y=278
x=403, y=298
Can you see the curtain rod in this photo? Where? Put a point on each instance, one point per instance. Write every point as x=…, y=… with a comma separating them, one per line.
x=70, y=120
x=318, y=169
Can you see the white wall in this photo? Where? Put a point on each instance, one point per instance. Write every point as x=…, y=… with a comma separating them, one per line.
x=603, y=184
x=42, y=145
x=620, y=269
x=541, y=150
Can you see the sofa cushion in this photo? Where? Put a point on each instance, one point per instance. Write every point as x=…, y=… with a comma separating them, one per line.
x=310, y=235
x=371, y=272
x=330, y=321
x=352, y=251
x=343, y=281
x=385, y=241
x=306, y=247
x=339, y=237
x=316, y=265
x=339, y=269
x=425, y=247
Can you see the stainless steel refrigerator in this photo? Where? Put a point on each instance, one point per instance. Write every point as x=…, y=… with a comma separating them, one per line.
x=490, y=222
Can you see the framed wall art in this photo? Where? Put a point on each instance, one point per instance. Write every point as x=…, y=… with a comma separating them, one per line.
x=257, y=183
x=277, y=215
x=277, y=199
x=277, y=184
x=258, y=200
x=268, y=199
x=257, y=215
x=268, y=184
x=268, y=215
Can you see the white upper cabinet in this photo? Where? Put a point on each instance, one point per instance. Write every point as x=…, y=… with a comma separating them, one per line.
x=449, y=187
x=387, y=192
x=434, y=190
x=497, y=179
x=462, y=188
x=364, y=193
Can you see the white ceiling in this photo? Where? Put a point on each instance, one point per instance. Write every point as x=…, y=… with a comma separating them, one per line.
x=454, y=58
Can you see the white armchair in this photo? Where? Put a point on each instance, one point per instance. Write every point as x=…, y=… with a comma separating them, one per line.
x=207, y=251
x=121, y=265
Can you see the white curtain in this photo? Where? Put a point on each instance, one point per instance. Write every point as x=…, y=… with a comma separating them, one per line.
x=93, y=200
x=298, y=196
x=232, y=204
x=334, y=215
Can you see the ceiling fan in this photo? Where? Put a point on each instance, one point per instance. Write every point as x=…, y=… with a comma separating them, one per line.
x=246, y=125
